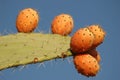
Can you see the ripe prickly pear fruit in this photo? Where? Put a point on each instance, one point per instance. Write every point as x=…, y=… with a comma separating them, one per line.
x=95, y=54
x=81, y=41
x=62, y=24
x=27, y=20
x=86, y=64
x=99, y=34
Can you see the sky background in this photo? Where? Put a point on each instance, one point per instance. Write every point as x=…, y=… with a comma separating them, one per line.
x=84, y=12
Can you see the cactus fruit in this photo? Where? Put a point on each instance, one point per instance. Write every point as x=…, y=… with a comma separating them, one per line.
x=86, y=64
x=62, y=24
x=27, y=20
x=99, y=34
x=81, y=41
x=95, y=54
x=83, y=45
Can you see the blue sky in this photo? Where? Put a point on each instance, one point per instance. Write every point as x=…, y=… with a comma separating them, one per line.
x=84, y=12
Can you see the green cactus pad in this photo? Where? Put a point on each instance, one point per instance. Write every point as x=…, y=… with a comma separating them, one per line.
x=22, y=48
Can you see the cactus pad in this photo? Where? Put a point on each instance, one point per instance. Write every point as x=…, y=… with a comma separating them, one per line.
x=23, y=48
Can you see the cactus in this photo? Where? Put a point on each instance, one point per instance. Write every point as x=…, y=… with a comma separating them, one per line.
x=27, y=48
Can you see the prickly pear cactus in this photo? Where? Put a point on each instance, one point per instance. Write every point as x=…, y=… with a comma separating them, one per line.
x=21, y=48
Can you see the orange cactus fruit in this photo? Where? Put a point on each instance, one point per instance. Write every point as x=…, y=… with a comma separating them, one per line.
x=62, y=24
x=86, y=64
x=95, y=54
x=81, y=41
x=27, y=20
x=99, y=34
